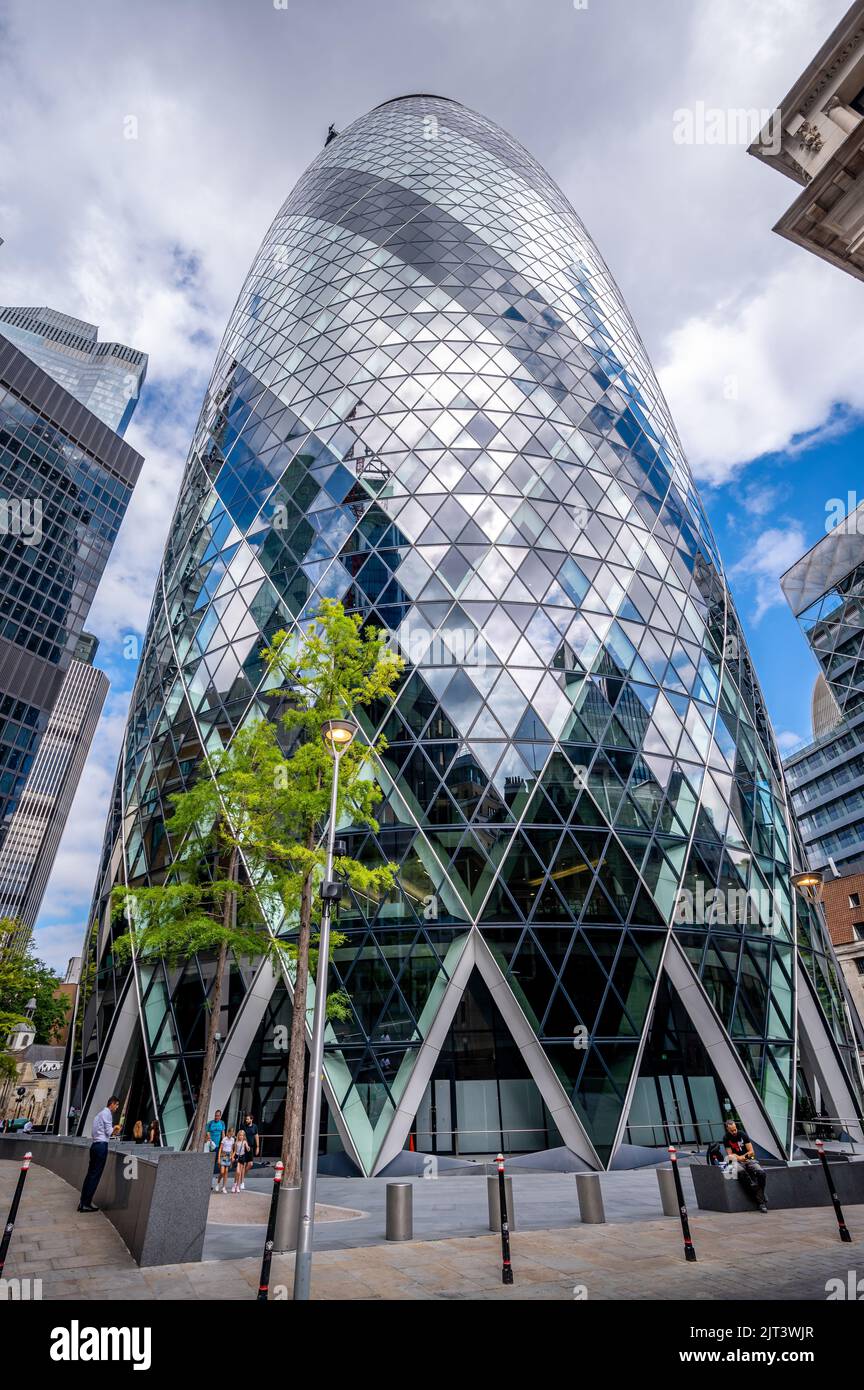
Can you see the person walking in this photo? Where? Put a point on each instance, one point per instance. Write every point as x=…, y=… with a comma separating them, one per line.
x=242, y=1155
x=103, y=1126
x=153, y=1133
x=138, y=1132
x=215, y=1132
x=226, y=1159
x=253, y=1139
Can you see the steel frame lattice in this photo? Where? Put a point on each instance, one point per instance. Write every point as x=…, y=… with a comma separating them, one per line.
x=431, y=403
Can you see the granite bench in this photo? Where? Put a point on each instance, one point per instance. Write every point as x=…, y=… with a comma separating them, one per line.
x=799, y=1185
x=157, y=1199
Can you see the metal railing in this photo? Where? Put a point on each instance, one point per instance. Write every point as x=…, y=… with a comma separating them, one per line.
x=829, y=1128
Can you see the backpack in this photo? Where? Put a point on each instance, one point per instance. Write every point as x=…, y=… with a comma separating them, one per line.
x=715, y=1155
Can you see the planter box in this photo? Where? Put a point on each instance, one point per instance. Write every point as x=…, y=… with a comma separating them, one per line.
x=786, y=1187
x=157, y=1199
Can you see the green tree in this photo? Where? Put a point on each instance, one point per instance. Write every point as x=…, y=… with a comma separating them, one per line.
x=22, y=978
x=335, y=668
x=208, y=903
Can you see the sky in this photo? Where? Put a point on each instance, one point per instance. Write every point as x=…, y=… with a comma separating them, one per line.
x=146, y=145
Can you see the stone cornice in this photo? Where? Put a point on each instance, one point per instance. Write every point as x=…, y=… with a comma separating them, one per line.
x=829, y=73
x=817, y=77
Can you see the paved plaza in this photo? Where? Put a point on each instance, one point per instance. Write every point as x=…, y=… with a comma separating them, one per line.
x=448, y=1206
x=786, y=1255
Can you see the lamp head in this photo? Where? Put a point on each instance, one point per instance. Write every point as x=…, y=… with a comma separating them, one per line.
x=809, y=884
x=810, y=878
x=338, y=734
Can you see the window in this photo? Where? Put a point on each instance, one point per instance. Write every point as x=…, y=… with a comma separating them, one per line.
x=857, y=102
x=859, y=965
x=858, y=928
x=854, y=899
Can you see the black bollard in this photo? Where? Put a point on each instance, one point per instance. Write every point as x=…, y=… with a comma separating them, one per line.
x=13, y=1211
x=506, y=1267
x=838, y=1210
x=689, y=1252
x=264, y=1282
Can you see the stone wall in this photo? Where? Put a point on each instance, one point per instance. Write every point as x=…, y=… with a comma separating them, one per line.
x=157, y=1199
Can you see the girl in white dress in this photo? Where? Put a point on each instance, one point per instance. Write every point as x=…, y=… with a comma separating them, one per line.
x=226, y=1158
x=241, y=1159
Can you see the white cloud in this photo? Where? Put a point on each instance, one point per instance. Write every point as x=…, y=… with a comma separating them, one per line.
x=771, y=555
x=759, y=500
x=151, y=237
x=749, y=377
x=787, y=741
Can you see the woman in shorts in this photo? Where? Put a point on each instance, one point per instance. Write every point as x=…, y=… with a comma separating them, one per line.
x=226, y=1159
x=241, y=1160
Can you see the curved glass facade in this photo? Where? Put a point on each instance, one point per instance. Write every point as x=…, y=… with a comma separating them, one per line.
x=432, y=404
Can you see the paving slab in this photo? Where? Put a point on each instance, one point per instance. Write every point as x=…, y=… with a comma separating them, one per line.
x=787, y=1256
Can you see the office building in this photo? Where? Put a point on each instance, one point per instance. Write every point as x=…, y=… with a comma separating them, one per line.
x=65, y=482
x=36, y=829
x=106, y=377
x=816, y=138
x=431, y=403
x=825, y=590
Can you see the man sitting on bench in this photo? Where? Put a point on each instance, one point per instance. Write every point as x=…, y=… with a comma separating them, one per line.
x=750, y=1173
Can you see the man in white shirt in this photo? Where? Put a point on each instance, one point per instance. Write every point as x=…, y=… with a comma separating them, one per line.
x=103, y=1127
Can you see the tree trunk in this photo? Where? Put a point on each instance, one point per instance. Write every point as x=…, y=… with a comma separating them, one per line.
x=202, y=1110
x=292, y=1132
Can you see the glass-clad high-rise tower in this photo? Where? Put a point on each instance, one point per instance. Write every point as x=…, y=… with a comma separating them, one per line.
x=106, y=377
x=431, y=403
x=66, y=479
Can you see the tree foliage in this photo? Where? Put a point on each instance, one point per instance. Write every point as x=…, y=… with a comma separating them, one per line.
x=207, y=904
x=22, y=978
x=333, y=669
x=246, y=837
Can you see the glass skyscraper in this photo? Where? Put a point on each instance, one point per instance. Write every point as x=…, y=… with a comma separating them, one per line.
x=33, y=837
x=65, y=481
x=825, y=590
x=106, y=377
x=431, y=403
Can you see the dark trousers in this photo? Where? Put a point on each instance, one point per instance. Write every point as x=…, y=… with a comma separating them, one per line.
x=753, y=1178
x=98, y=1159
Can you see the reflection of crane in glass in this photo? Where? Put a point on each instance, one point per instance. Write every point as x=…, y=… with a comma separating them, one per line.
x=566, y=873
x=368, y=465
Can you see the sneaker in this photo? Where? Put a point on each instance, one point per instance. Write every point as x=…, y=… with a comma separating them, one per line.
x=87, y=1208
x=242, y=1187
x=763, y=1206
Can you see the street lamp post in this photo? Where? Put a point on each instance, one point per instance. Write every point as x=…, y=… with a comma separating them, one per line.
x=337, y=735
